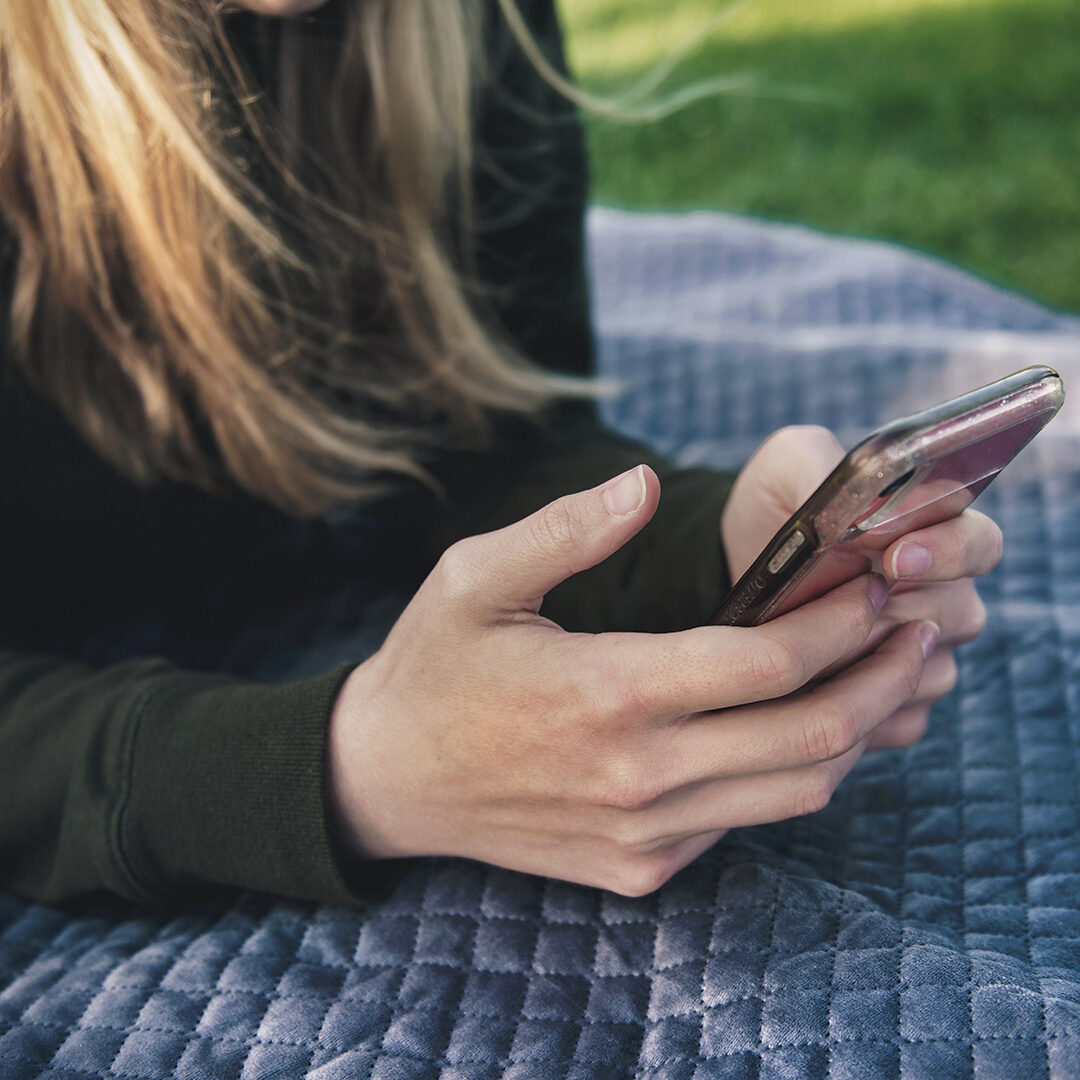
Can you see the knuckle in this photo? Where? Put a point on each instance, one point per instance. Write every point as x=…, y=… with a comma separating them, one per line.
x=586, y=696
x=828, y=732
x=858, y=617
x=628, y=698
x=628, y=831
x=975, y=621
x=947, y=676
x=557, y=524
x=952, y=673
x=455, y=571
x=624, y=785
x=640, y=875
x=776, y=665
x=815, y=793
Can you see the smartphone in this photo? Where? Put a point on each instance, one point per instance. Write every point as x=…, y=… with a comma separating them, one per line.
x=906, y=475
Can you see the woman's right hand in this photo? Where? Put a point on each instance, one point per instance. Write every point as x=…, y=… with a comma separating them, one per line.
x=483, y=730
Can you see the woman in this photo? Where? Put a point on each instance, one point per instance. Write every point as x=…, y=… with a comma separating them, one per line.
x=263, y=273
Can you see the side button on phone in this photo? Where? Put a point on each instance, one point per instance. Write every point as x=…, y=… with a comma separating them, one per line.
x=790, y=546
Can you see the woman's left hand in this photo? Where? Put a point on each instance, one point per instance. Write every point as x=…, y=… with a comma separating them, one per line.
x=930, y=571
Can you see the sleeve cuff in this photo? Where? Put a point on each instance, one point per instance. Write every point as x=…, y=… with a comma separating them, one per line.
x=227, y=786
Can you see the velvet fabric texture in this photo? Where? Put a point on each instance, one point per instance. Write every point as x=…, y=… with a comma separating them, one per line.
x=925, y=924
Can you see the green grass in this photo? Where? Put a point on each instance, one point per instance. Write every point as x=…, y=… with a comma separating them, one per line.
x=949, y=125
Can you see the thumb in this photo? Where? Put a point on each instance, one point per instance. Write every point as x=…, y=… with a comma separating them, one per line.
x=780, y=476
x=796, y=460
x=514, y=567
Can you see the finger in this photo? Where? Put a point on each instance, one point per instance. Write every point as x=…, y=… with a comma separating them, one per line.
x=954, y=605
x=964, y=546
x=609, y=856
x=938, y=678
x=512, y=568
x=704, y=811
x=658, y=677
x=776, y=480
x=639, y=873
x=805, y=729
x=806, y=454
x=901, y=729
x=909, y=724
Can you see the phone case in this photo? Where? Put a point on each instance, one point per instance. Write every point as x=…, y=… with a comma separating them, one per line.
x=906, y=475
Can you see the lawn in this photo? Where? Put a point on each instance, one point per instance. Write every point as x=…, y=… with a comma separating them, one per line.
x=949, y=125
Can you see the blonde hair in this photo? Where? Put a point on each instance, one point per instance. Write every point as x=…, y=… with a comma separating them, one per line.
x=205, y=297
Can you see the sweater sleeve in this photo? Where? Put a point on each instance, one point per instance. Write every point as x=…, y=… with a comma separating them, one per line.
x=148, y=781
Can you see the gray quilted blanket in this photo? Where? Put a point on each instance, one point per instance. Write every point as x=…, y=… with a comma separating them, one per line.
x=926, y=924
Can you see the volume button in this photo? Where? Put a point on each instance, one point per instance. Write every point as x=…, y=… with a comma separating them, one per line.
x=790, y=546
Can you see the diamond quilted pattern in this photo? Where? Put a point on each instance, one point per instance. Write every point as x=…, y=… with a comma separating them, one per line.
x=925, y=924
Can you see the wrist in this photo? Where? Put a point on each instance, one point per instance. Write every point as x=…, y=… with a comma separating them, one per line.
x=345, y=772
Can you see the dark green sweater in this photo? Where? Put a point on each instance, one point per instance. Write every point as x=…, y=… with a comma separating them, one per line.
x=149, y=780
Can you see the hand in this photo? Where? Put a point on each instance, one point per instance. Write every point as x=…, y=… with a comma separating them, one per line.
x=933, y=567
x=481, y=729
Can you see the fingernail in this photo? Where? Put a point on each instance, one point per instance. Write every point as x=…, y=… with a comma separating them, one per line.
x=879, y=592
x=929, y=633
x=625, y=493
x=910, y=560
